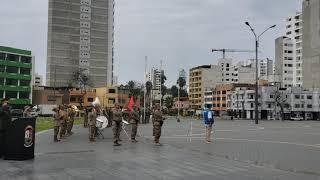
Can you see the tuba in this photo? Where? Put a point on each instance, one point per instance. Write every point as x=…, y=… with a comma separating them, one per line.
x=101, y=121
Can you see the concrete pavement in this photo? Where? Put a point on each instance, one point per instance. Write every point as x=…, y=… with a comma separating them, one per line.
x=241, y=150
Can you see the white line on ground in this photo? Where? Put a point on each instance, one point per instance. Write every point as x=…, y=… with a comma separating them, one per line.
x=249, y=140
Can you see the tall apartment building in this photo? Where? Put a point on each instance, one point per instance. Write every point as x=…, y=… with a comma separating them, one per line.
x=294, y=26
x=284, y=64
x=200, y=79
x=37, y=80
x=80, y=36
x=16, y=70
x=203, y=79
x=155, y=77
x=311, y=44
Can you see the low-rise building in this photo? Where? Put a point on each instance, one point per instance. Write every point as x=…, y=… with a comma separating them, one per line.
x=16, y=70
x=296, y=102
x=182, y=104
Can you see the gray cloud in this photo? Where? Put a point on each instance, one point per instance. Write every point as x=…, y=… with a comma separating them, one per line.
x=181, y=32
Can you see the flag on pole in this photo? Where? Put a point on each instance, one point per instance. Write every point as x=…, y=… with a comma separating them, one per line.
x=130, y=104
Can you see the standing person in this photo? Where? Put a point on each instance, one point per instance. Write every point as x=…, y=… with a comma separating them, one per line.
x=116, y=123
x=71, y=114
x=208, y=121
x=57, y=117
x=27, y=112
x=134, y=120
x=85, y=120
x=63, y=122
x=92, y=117
x=5, y=120
x=157, y=119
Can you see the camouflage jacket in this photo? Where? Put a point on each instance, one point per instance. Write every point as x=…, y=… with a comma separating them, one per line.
x=117, y=115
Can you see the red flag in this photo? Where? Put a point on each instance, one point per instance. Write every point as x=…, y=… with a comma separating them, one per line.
x=130, y=104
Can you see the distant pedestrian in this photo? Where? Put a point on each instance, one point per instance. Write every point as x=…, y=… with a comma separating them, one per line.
x=208, y=121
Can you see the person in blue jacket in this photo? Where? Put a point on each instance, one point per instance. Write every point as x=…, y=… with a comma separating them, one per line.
x=208, y=121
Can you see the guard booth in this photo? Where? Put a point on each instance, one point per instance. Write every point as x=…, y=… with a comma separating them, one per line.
x=20, y=139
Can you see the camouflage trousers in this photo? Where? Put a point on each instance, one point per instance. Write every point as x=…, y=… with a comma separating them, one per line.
x=156, y=133
x=134, y=129
x=116, y=131
x=55, y=132
x=92, y=131
x=63, y=129
x=70, y=125
x=85, y=121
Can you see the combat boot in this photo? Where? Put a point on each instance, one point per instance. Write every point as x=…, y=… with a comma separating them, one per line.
x=134, y=141
x=116, y=144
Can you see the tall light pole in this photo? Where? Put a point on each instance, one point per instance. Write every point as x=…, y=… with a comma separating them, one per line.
x=257, y=37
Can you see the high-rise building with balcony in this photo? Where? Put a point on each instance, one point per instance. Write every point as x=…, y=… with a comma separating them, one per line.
x=16, y=70
x=80, y=36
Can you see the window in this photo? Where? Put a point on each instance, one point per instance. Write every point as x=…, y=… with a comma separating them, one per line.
x=218, y=98
x=271, y=96
x=12, y=82
x=11, y=94
x=223, y=105
x=24, y=83
x=73, y=99
x=302, y=96
x=90, y=99
x=297, y=105
x=269, y=105
x=11, y=69
x=24, y=95
x=1, y=83
x=302, y=105
x=12, y=57
x=25, y=59
x=309, y=106
x=25, y=71
x=112, y=91
x=309, y=97
x=52, y=98
x=228, y=65
x=224, y=92
x=218, y=105
x=1, y=94
x=251, y=105
x=2, y=57
x=2, y=68
x=296, y=96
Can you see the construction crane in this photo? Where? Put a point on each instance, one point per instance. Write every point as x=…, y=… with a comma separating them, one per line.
x=231, y=50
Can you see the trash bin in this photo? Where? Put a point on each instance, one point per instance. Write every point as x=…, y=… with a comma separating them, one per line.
x=19, y=140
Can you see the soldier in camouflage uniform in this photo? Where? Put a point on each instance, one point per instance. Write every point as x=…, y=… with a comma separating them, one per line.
x=56, y=122
x=92, y=117
x=71, y=114
x=116, y=123
x=63, y=122
x=157, y=120
x=134, y=120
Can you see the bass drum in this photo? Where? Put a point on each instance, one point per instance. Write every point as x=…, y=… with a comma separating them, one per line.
x=102, y=122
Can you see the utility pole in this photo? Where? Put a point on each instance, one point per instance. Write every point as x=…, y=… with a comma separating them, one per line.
x=160, y=84
x=257, y=37
x=145, y=89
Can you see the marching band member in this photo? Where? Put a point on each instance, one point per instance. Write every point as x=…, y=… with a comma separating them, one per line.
x=56, y=122
x=71, y=114
x=157, y=119
x=117, y=119
x=92, y=117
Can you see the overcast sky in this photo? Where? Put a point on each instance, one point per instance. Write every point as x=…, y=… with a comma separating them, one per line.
x=179, y=32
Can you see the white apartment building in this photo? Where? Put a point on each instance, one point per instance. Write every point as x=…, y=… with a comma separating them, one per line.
x=301, y=103
x=155, y=77
x=294, y=28
x=37, y=80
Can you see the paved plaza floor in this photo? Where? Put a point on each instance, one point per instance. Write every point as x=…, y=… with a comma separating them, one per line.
x=241, y=150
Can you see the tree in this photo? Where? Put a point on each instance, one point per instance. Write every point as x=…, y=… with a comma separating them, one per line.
x=80, y=79
x=168, y=102
x=173, y=91
x=281, y=101
x=135, y=89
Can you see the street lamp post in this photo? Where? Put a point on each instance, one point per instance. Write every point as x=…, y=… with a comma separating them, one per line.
x=257, y=37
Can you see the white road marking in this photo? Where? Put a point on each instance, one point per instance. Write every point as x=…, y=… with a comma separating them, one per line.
x=42, y=132
x=249, y=140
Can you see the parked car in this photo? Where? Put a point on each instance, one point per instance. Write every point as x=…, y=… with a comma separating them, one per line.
x=297, y=118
